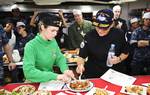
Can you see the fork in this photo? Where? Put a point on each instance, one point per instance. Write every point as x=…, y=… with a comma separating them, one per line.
x=80, y=76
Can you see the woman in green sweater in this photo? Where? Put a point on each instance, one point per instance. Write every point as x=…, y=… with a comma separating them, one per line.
x=42, y=53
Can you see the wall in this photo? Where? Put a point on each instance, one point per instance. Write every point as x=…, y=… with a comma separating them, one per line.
x=126, y=7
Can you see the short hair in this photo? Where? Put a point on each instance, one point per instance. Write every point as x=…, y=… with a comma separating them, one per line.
x=116, y=7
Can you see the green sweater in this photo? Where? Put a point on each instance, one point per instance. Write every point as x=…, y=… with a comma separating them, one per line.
x=39, y=58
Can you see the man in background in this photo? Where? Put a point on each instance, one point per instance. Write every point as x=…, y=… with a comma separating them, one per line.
x=119, y=22
x=78, y=29
x=5, y=46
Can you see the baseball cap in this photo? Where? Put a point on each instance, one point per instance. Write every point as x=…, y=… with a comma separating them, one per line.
x=50, y=19
x=77, y=12
x=20, y=24
x=146, y=15
x=133, y=20
x=104, y=18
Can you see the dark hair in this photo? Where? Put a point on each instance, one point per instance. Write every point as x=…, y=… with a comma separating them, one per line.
x=9, y=20
x=15, y=10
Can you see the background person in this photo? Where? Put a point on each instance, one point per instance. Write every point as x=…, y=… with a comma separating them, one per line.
x=119, y=22
x=9, y=29
x=78, y=30
x=140, y=39
x=25, y=36
x=5, y=48
x=134, y=24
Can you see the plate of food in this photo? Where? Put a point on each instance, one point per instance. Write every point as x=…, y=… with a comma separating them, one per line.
x=99, y=91
x=24, y=89
x=148, y=90
x=80, y=85
x=42, y=92
x=134, y=90
x=4, y=92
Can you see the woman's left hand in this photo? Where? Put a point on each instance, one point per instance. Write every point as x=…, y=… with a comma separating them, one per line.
x=114, y=60
x=69, y=73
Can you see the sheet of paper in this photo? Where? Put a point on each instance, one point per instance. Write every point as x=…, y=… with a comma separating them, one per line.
x=118, y=78
x=52, y=86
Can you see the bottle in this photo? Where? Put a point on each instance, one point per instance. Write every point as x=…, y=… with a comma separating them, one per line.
x=111, y=53
x=62, y=39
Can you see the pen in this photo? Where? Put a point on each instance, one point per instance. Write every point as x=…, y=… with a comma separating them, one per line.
x=63, y=86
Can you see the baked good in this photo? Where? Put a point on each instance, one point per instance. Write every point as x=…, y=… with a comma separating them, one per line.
x=24, y=89
x=134, y=89
x=99, y=91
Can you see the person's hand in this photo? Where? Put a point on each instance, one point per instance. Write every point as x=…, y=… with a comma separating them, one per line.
x=7, y=27
x=80, y=61
x=11, y=66
x=69, y=73
x=143, y=43
x=114, y=60
x=64, y=78
x=119, y=25
x=60, y=12
x=35, y=13
x=80, y=68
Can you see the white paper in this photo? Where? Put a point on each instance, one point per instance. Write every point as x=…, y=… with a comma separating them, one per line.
x=118, y=78
x=53, y=85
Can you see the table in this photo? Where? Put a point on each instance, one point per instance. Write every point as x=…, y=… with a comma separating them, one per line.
x=97, y=83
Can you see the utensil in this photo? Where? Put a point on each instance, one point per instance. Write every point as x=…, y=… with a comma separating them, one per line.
x=80, y=76
x=105, y=87
x=63, y=85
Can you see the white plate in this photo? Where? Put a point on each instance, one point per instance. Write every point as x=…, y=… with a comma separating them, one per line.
x=143, y=92
x=146, y=84
x=92, y=91
x=83, y=90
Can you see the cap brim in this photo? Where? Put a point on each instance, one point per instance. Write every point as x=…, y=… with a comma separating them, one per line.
x=100, y=25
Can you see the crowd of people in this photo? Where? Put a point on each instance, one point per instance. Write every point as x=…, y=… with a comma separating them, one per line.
x=39, y=41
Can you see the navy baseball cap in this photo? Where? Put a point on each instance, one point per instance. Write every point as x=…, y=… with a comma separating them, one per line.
x=104, y=18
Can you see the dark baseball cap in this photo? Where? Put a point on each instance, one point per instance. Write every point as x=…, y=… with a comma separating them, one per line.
x=50, y=19
x=104, y=18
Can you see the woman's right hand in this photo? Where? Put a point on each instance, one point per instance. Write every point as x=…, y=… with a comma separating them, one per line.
x=80, y=68
x=64, y=78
